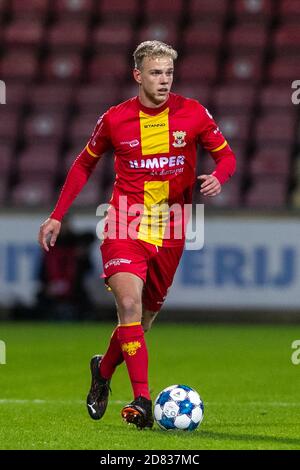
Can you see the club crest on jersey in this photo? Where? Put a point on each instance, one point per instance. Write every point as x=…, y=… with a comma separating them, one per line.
x=131, y=348
x=179, y=139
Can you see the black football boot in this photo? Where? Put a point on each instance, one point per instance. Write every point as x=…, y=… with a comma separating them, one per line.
x=97, y=398
x=139, y=412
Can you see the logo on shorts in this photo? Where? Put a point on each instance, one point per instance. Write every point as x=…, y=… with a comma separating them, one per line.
x=179, y=137
x=117, y=262
x=131, y=348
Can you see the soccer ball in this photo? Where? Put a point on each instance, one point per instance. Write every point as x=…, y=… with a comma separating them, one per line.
x=178, y=407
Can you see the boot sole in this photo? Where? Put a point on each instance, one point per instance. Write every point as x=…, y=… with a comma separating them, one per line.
x=132, y=416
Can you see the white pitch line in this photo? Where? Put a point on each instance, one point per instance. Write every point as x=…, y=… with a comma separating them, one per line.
x=38, y=401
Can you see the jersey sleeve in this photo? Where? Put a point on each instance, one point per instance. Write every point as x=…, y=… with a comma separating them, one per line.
x=100, y=140
x=212, y=140
x=83, y=167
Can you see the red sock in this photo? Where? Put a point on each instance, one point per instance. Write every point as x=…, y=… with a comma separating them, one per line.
x=113, y=356
x=132, y=342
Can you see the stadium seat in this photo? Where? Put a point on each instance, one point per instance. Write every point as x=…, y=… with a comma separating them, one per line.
x=128, y=91
x=3, y=7
x=253, y=11
x=96, y=97
x=81, y=128
x=169, y=10
x=17, y=94
x=49, y=96
x=73, y=9
x=24, y=33
x=41, y=159
x=118, y=10
x=247, y=38
x=275, y=128
x=270, y=161
x=69, y=158
x=197, y=68
x=202, y=38
x=68, y=35
x=228, y=98
x=9, y=125
x=63, y=67
x=90, y=194
x=287, y=39
x=230, y=196
x=6, y=158
x=284, y=69
x=289, y=10
x=36, y=9
x=44, y=126
x=112, y=67
x=240, y=149
x=159, y=31
x=18, y=65
x=243, y=68
x=32, y=193
x=208, y=10
x=234, y=126
x=112, y=37
x=198, y=92
x=275, y=97
x=3, y=191
x=267, y=192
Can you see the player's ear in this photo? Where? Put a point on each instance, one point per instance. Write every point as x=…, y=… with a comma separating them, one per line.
x=137, y=75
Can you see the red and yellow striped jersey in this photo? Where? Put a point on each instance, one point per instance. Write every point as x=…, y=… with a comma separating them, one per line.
x=155, y=163
x=155, y=157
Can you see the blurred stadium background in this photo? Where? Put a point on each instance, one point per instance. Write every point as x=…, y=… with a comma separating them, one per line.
x=64, y=62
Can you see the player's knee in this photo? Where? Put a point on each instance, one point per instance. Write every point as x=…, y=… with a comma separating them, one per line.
x=130, y=308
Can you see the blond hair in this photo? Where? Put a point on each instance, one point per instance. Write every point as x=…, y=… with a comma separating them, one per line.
x=152, y=49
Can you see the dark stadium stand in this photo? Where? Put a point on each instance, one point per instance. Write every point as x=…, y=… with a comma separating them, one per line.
x=65, y=62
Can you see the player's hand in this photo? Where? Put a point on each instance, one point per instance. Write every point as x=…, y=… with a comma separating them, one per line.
x=211, y=186
x=49, y=229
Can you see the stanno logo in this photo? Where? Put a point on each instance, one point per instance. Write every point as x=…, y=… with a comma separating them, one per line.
x=161, y=124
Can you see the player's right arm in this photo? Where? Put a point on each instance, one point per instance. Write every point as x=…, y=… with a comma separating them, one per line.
x=77, y=177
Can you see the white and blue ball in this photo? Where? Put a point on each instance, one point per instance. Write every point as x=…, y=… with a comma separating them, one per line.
x=178, y=407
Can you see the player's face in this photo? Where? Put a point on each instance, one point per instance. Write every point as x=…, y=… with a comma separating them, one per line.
x=155, y=79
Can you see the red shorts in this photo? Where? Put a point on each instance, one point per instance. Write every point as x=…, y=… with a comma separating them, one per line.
x=155, y=265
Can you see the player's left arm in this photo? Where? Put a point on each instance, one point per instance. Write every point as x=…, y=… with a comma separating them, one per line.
x=212, y=139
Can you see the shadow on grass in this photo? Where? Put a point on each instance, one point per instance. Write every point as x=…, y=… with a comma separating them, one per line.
x=225, y=436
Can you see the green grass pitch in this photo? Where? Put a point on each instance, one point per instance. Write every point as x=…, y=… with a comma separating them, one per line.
x=244, y=374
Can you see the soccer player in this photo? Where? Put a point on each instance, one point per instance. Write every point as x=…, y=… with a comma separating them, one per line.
x=154, y=136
